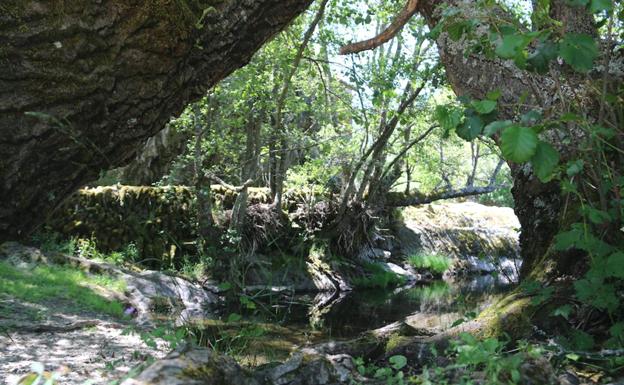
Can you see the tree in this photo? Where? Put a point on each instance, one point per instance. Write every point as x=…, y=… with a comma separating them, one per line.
x=558, y=123
x=100, y=78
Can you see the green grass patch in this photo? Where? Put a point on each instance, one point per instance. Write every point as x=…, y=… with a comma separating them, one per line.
x=60, y=287
x=378, y=277
x=433, y=262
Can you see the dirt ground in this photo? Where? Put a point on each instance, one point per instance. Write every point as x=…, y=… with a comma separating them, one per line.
x=82, y=349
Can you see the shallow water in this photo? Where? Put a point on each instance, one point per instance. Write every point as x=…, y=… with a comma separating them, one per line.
x=433, y=306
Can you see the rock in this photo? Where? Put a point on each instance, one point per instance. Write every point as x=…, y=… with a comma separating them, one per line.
x=568, y=378
x=20, y=255
x=462, y=231
x=537, y=371
x=324, y=276
x=373, y=254
x=195, y=366
x=311, y=369
x=398, y=270
x=154, y=292
x=507, y=268
x=190, y=366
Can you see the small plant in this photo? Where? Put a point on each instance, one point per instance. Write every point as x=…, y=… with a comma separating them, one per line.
x=86, y=248
x=54, y=242
x=378, y=277
x=390, y=375
x=435, y=263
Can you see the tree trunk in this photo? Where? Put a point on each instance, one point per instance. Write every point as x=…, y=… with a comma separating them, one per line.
x=205, y=221
x=100, y=78
x=249, y=172
x=537, y=205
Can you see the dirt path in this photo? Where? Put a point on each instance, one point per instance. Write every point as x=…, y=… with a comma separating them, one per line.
x=82, y=347
x=99, y=353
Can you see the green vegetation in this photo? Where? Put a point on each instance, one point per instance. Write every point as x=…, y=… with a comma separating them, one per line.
x=435, y=263
x=314, y=153
x=378, y=277
x=53, y=286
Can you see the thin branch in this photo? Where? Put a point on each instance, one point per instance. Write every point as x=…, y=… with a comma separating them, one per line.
x=386, y=35
x=407, y=148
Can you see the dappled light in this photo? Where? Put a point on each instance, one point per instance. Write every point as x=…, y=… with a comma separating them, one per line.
x=312, y=192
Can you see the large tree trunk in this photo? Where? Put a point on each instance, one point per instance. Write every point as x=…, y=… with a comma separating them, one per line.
x=537, y=205
x=101, y=77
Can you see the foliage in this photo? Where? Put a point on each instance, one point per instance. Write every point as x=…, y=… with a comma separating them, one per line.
x=435, y=263
x=587, y=171
x=392, y=374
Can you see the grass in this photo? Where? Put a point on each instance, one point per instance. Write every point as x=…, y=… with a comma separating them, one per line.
x=435, y=263
x=378, y=277
x=54, y=286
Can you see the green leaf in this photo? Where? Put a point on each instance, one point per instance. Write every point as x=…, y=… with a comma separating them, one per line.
x=518, y=144
x=575, y=167
x=484, y=106
x=579, y=51
x=601, y=5
x=234, y=317
x=225, y=286
x=563, y=311
x=598, y=216
x=596, y=293
x=545, y=161
x=458, y=322
x=617, y=330
x=471, y=128
x=540, y=59
x=573, y=357
x=582, y=340
x=494, y=95
x=457, y=30
x=510, y=46
x=496, y=126
x=398, y=362
x=531, y=117
x=448, y=117
x=570, y=238
x=615, y=265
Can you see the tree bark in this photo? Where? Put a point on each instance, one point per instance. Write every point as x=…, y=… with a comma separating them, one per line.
x=537, y=205
x=101, y=77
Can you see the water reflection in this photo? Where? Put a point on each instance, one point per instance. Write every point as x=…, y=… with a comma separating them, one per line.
x=340, y=315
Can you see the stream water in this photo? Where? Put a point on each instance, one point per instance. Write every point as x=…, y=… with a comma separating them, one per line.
x=437, y=304
x=278, y=323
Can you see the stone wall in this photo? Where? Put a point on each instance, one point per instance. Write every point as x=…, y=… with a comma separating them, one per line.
x=158, y=220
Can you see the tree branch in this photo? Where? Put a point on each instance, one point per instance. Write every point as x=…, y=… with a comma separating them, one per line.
x=228, y=186
x=396, y=199
x=387, y=34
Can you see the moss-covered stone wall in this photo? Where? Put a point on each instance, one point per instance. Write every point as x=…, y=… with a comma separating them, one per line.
x=158, y=220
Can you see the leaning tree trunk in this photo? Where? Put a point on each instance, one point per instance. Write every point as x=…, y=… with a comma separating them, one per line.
x=537, y=205
x=84, y=83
